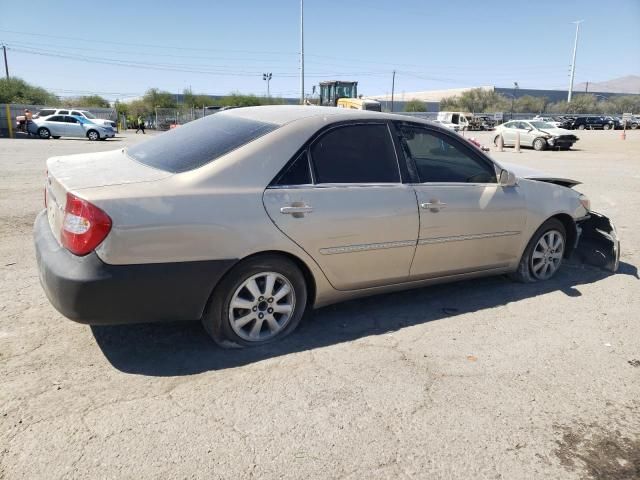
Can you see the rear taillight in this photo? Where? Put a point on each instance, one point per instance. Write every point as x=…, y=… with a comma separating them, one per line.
x=84, y=226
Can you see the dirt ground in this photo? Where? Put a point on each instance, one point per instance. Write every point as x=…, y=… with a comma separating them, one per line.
x=479, y=379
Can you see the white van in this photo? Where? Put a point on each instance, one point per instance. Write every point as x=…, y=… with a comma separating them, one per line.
x=464, y=120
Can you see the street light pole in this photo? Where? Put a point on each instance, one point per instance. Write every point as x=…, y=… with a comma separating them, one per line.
x=267, y=77
x=573, y=62
x=393, y=87
x=6, y=65
x=301, y=52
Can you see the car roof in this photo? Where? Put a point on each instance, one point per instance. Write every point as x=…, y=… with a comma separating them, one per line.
x=283, y=114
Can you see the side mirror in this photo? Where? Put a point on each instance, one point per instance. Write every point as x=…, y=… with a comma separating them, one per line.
x=508, y=179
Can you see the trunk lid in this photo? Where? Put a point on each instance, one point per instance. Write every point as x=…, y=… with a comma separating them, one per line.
x=73, y=173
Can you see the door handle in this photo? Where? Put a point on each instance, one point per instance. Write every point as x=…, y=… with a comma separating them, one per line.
x=297, y=211
x=433, y=205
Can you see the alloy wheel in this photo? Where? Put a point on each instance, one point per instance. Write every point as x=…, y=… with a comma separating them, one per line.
x=262, y=306
x=547, y=255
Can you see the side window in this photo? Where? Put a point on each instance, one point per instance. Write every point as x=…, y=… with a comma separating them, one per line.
x=355, y=154
x=76, y=113
x=46, y=113
x=71, y=120
x=297, y=173
x=56, y=118
x=441, y=159
x=63, y=112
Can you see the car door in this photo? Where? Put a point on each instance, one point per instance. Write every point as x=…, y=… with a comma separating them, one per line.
x=527, y=133
x=343, y=201
x=56, y=125
x=509, y=133
x=468, y=222
x=74, y=127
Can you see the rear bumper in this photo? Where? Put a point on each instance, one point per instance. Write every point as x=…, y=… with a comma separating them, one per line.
x=87, y=290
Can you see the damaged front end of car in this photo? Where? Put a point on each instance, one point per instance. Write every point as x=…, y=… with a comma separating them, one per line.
x=597, y=243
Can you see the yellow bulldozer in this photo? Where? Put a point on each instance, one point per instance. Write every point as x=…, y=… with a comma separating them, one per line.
x=343, y=94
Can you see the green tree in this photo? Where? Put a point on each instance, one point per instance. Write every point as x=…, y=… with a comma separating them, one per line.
x=158, y=98
x=415, y=105
x=16, y=90
x=87, y=101
x=476, y=100
x=530, y=104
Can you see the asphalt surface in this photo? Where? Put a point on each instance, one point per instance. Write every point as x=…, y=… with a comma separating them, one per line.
x=479, y=379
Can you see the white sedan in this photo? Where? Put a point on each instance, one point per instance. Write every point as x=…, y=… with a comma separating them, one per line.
x=533, y=133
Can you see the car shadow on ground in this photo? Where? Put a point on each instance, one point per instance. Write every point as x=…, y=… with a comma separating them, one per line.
x=183, y=348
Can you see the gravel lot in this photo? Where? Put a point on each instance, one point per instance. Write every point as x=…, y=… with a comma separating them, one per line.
x=479, y=379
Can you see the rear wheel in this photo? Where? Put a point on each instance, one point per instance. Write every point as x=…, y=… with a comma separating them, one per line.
x=262, y=299
x=93, y=135
x=539, y=144
x=44, y=133
x=606, y=126
x=543, y=256
x=580, y=127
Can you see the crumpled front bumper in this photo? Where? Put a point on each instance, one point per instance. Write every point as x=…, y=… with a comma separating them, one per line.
x=598, y=243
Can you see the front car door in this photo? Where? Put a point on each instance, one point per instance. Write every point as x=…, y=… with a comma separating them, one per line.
x=468, y=222
x=342, y=200
x=74, y=127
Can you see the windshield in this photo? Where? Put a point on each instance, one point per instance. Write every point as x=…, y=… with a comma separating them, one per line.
x=89, y=115
x=541, y=125
x=198, y=143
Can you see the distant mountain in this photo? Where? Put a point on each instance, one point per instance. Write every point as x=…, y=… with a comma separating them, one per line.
x=628, y=84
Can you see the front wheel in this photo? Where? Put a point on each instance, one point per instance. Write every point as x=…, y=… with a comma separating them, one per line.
x=539, y=144
x=543, y=256
x=93, y=135
x=580, y=127
x=262, y=299
x=606, y=126
x=44, y=133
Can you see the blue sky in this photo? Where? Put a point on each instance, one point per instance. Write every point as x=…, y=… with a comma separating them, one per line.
x=221, y=46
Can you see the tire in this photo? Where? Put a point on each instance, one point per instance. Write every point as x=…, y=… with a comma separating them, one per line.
x=532, y=266
x=634, y=126
x=606, y=126
x=258, y=308
x=56, y=137
x=44, y=133
x=539, y=144
x=581, y=127
x=495, y=140
x=93, y=135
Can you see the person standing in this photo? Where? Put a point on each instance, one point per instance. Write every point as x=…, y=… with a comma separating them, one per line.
x=140, y=124
x=28, y=117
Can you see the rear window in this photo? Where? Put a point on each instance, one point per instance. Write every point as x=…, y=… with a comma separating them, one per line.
x=197, y=143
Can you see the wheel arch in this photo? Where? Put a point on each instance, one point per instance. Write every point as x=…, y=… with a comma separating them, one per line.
x=571, y=230
x=309, y=279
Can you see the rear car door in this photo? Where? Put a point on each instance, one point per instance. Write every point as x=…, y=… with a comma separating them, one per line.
x=56, y=125
x=468, y=222
x=509, y=133
x=342, y=199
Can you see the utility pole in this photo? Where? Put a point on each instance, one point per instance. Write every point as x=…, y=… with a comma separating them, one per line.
x=586, y=87
x=267, y=77
x=393, y=87
x=301, y=52
x=6, y=65
x=573, y=62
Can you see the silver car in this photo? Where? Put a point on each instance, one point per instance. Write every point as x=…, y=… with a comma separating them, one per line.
x=534, y=133
x=246, y=218
x=57, y=126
